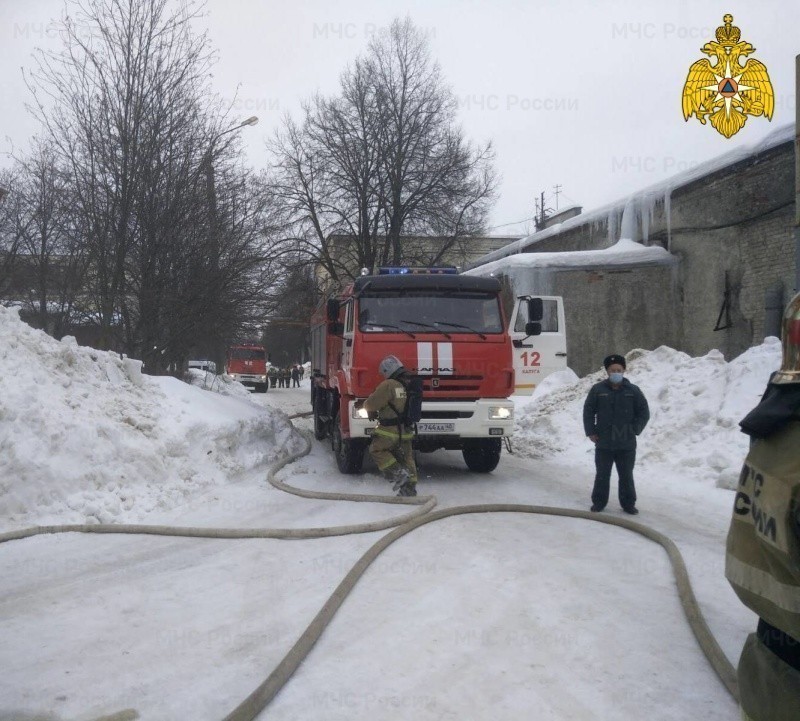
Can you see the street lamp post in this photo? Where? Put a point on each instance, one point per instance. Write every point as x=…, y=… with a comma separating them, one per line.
x=214, y=245
x=209, y=167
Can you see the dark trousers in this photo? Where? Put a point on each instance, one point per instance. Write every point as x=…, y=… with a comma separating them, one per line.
x=604, y=460
x=786, y=648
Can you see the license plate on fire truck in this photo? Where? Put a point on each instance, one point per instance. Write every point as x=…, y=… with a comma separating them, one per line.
x=436, y=427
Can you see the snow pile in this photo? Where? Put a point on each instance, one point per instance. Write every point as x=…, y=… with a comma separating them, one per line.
x=85, y=437
x=695, y=406
x=559, y=379
x=222, y=384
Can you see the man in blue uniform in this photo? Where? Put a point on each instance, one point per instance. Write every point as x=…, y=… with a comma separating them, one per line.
x=615, y=412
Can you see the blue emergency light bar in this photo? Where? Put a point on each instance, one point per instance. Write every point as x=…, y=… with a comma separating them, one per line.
x=416, y=270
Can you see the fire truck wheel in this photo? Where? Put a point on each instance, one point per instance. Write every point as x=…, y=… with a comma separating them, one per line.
x=482, y=454
x=320, y=428
x=319, y=406
x=349, y=454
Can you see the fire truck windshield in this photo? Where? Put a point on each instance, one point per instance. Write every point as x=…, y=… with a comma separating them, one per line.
x=432, y=312
x=247, y=354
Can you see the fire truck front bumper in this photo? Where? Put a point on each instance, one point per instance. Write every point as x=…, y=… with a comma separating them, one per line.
x=249, y=379
x=485, y=418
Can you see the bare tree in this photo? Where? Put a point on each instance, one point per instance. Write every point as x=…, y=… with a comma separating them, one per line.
x=11, y=222
x=436, y=181
x=173, y=227
x=51, y=250
x=301, y=183
x=347, y=132
x=287, y=336
x=229, y=290
x=382, y=159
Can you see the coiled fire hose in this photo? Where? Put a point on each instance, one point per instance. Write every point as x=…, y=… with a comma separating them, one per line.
x=403, y=524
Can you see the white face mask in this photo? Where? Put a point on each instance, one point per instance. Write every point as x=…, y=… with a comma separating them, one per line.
x=615, y=378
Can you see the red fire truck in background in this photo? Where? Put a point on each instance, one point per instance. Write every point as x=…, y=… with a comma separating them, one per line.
x=449, y=329
x=247, y=363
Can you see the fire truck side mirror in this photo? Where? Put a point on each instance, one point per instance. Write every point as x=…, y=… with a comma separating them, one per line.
x=533, y=328
x=535, y=312
x=334, y=326
x=332, y=309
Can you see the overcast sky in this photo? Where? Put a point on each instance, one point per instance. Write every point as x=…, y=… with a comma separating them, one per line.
x=586, y=95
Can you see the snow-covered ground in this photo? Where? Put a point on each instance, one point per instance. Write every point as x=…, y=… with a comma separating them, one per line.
x=505, y=616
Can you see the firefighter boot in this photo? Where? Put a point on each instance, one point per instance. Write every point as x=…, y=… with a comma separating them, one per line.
x=409, y=488
x=397, y=476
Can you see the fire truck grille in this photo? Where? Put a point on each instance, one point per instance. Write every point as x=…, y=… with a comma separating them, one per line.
x=439, y=415
x=431, y=387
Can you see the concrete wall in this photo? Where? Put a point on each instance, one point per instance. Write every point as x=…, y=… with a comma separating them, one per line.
x=731, y=233
x=737, y=222
x=614, y=311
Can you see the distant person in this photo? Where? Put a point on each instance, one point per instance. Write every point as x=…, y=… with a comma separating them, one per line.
x=280, y=377
x=302, y=370
x=295, y=377
x=273, y=376
x=615, y=412
x=763, y=550
x=390, y=446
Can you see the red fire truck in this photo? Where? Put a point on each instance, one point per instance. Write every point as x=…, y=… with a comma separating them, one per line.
x=449, y=329
x=247, y=363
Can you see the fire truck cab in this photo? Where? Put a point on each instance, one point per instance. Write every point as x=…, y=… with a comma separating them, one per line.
x=537, y=357
x=446, y=328
x=247, y=363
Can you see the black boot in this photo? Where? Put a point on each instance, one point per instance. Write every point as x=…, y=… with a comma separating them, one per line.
x=397, y=476
x=409, y=488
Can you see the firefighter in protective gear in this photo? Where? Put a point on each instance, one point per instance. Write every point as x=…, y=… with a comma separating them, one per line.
x=763, y=549
x=390, y=446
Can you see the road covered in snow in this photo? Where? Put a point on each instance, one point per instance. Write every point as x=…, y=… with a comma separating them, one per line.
x=486, y=616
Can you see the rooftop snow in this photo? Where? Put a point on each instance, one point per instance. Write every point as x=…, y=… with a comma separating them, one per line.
x=623, y=253
x=647, y=196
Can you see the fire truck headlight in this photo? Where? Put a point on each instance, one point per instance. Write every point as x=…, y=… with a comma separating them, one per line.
x=500, y=413
x=360, y=412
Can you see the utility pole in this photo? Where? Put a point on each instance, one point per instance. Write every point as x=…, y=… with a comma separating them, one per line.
x=214, y=229
x=557, y=191
x=540, y=216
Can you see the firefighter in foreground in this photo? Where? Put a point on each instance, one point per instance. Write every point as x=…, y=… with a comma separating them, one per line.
x=390, y=447
x=763, y=550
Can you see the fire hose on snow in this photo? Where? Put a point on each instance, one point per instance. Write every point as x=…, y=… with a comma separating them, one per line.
x=402, y=525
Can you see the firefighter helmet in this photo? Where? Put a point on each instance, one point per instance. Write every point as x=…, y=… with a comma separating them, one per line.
x=390, y=366
x=790, y=368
